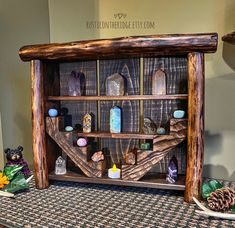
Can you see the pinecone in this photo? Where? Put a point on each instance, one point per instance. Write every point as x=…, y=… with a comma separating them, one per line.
x=221, y=199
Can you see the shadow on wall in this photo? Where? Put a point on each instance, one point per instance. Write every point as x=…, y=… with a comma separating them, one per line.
x=229, y=54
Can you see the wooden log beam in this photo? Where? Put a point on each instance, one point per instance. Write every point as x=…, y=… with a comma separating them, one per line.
x=195, y=151
x=90, y=168
x=162, y=144
x=39, y=143
x=120, y=47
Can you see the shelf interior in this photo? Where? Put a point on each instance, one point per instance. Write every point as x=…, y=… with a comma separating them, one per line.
x=150, y=181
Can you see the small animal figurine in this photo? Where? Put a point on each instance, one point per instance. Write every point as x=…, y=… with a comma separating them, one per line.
x=15, y=157
x=149, y=126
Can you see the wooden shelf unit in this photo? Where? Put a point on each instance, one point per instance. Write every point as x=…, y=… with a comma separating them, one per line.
x=136, y=58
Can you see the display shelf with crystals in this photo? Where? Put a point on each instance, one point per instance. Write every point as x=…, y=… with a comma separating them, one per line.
x=59, y=71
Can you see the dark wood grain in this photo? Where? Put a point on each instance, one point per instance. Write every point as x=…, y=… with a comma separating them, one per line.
x=229, y=38
x=64, y=141
x=161, y=111
x=162, y=144
x=119, y=98
x=195, y=150
x=120, y=47
x=130, y=71
x=153, y=181
x=38, y=131
x=51, y=87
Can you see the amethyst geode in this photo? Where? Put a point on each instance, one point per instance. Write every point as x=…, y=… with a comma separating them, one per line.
x=172, y=170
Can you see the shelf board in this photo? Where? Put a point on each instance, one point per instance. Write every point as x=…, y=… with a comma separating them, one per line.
x=130, y=135
x=153, y=181
x=119, y=98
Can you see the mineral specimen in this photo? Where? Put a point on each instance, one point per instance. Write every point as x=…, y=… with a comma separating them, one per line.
x=97, y=156
x=60, y=166
x=114, y=85
x=172, y=170
x=87, y=123
x=115, y=120
x=149, y=126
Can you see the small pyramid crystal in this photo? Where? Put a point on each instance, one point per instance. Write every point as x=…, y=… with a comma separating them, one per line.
x=60, y=166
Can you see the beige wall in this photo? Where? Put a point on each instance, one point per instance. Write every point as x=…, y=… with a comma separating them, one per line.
x=21, y=22
x=68, y=22
x=2, y=159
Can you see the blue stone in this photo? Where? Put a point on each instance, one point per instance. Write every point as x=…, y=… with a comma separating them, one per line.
x=68, y=128
x=161, y=130
x=115, y=120
x=178, y=114
x=52, y=112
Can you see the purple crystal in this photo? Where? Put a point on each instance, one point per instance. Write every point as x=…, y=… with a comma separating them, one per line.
x=172, y=170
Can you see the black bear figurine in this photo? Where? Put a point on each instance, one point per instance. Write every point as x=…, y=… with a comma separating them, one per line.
x=15, y=157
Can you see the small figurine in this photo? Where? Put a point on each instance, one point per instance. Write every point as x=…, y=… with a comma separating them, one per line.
x=115, y=85
x=97, y=156
x=115, y=120
x=172, y=170
x=87, y=123
x=15, y=157
x=60, y=166
x=149, y=126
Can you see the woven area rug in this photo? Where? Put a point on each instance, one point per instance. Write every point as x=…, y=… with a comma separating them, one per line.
x=66, y=204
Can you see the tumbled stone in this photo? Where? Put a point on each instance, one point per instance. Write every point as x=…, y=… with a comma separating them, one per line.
x=97, y=156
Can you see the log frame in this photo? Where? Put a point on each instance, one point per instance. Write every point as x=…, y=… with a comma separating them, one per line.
x=38, y=125
x=195, y=150
x=135, y=46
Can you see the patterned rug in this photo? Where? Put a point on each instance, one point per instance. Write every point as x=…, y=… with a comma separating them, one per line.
x=66, y=204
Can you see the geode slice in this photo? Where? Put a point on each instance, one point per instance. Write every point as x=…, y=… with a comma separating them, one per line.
x=172, y=170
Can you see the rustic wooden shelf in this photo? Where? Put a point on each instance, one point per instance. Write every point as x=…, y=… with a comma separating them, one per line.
x=117, y=98
x=229, y=38
x=151, y=181
x=129, y=135
x=137, y=58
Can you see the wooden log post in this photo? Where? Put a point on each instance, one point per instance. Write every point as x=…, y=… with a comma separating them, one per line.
x=39, y=145
x=195, y=150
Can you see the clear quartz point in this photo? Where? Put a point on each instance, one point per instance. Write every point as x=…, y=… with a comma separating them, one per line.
x=60, y=166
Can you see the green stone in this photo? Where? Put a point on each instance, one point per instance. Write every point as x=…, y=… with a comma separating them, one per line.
x=145, y=146
x=233, y=208
x=209, y=187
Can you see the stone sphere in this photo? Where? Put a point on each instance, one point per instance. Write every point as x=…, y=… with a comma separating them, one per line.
x=52, y=112
x=81, y=142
